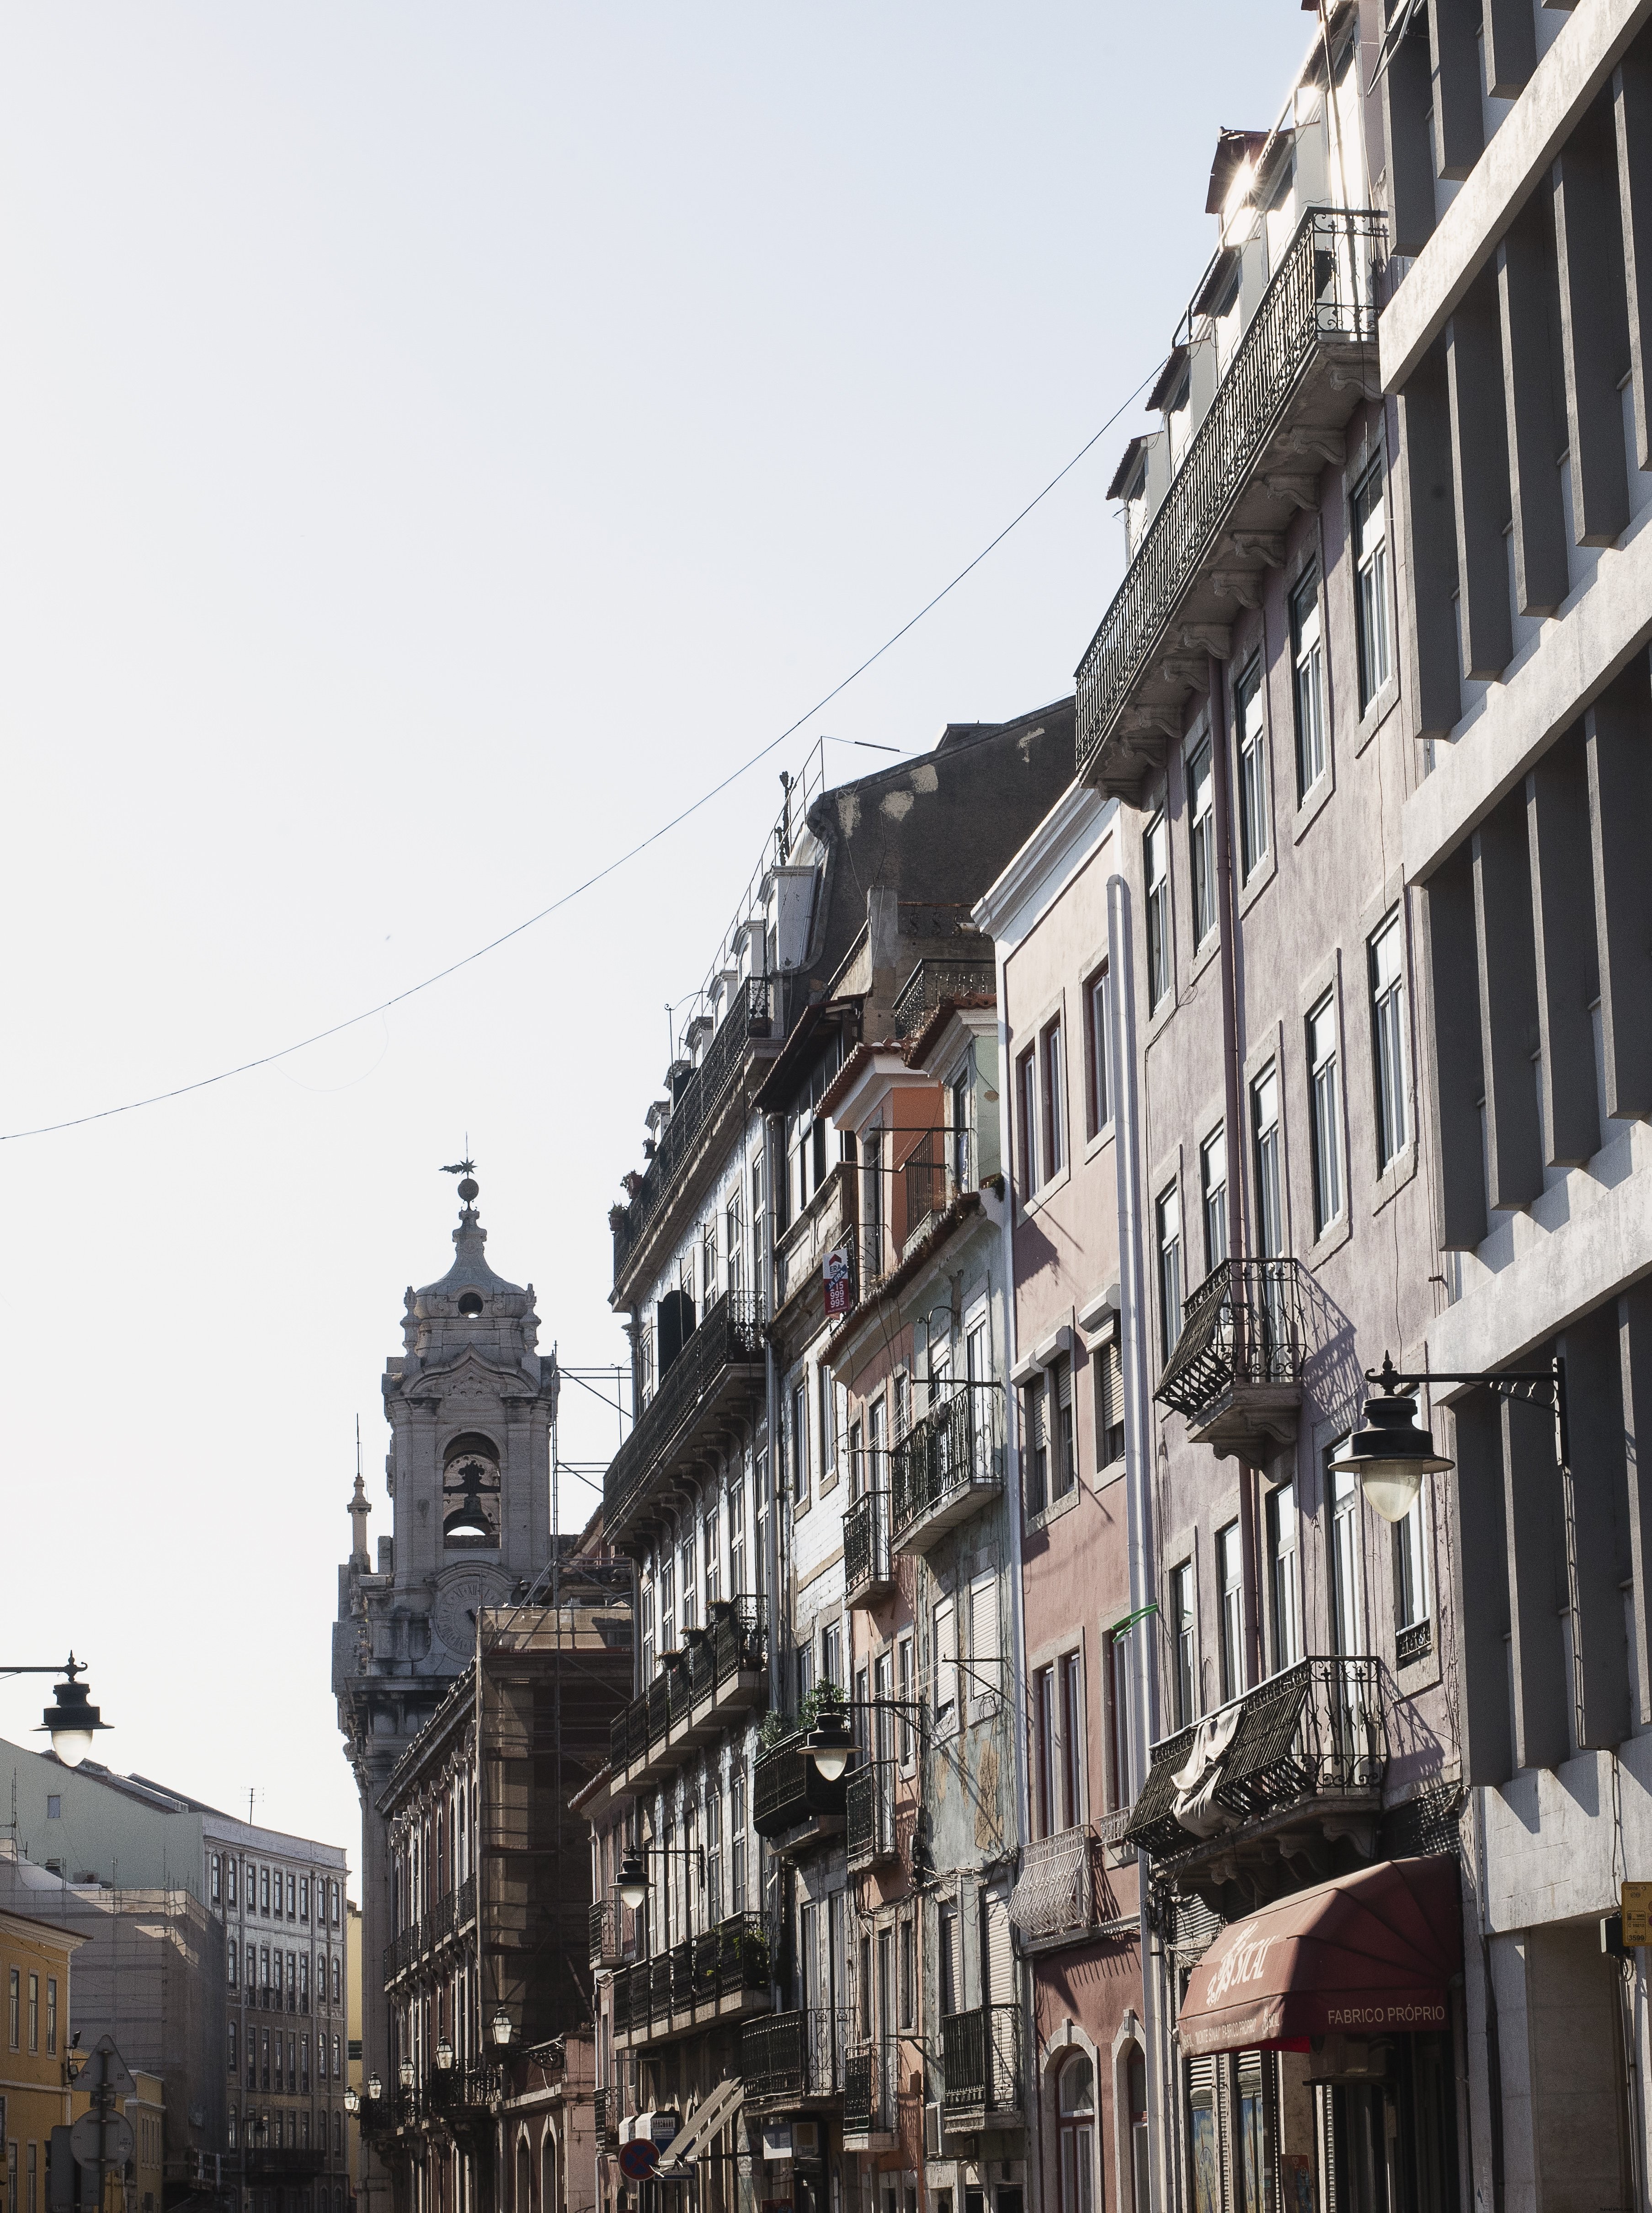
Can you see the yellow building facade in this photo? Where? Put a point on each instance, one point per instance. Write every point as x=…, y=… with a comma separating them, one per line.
x=35, y=2033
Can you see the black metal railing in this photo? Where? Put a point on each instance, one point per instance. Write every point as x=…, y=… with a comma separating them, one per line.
x=1316, y=1730
x=1243, y=1325
x=933, y=981
x=958, y=1447
x=740, y=1641
x=749, y=1016
x=743, y=1960
x=870, y=1813
x=659, y=1987
x=981, y=2063
x=607, y=1932
x=682, y=1975
x=607, y=2135
x=787, y=1788
x=869, y=2089
x=866, y=1543
x=286, y=2163
x=1323, y=293
x=633, y=1996
x=795, y=2055
x=730, y=1336
x=1062, y=1888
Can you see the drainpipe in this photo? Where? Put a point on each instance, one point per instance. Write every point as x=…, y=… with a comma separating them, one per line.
x=1138, y=1517
x=780, y=1930
x=1227, y=925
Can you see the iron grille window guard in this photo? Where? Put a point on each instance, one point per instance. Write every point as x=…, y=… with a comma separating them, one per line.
x=870, y=2089
x=730, y=1336
x=1323, y=294
x=1316, y=1730
x=866, y=1542
x=870, y=1812
x=749, y=1016
x=932, y=981
x=956, y=1447
x=980, y=2053
x=1243, y=1325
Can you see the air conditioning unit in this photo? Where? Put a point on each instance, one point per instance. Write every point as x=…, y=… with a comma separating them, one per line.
x=932, y=2130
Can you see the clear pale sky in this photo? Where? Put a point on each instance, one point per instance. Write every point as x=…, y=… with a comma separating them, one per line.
x=435, y=443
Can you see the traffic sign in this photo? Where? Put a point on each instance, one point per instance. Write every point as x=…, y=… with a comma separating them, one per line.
x=1637, y=1913
x=113, y=2132
x=106, y=2070
x=638, y=2160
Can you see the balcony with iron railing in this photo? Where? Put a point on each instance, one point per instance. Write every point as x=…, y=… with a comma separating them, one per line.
x=791, y=1799
x=720, y=1367
x=933, y=982
x=1236, y=1371
x=1275, y=422
x=1063, y=1895
x=948, y=1465
x=869, y=1814
x=714, y=1088
x=870, y=2095
x=1281, y=1785
x=720, y=1974
x=938, y=1170
x=721, y=1674
x=795, y=2058
x=607, y=1928
x=869, y=1571
x=981, y=2069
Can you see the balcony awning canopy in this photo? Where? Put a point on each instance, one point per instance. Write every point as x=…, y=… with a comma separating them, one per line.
x=1367, y=1954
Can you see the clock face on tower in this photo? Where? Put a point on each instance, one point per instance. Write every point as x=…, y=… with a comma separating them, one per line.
x=461, y=1595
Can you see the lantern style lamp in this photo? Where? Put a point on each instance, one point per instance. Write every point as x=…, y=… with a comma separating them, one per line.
x=375, y=2088
x=633, y=1882
x=830, y=1745
x=1392, y=1453
x=71, y=1720
x=407, y=2074
x=352, y=2101
x=501, y=2028
x=444, y=2055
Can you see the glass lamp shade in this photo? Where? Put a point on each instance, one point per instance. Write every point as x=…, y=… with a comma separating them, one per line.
x=502, y=2027
x=374, y=2088
x=830, y=1747
x=1390, y=1455
x=444, y=2055
x=352, y=2101
x=71, y=1745
x=406, y=2071
x=633, y=1882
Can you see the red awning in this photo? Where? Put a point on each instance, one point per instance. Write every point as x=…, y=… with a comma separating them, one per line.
x=1370, y=1952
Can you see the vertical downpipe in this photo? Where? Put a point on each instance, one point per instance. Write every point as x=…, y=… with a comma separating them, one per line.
x=780, y=1935
x=1144, y=1706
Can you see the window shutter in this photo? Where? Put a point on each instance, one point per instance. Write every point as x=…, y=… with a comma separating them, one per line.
x=983, y=1643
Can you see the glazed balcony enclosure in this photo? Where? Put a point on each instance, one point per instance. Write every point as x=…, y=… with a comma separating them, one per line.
x=720, y=1974
x=1236, y=1371
x=981, y=2069
x=870, y=2095
x=718, y=1373
x=721, y=1673
x=1274, y=422
x=948, y=1466
x=1279, y=1787
x=795, y=2060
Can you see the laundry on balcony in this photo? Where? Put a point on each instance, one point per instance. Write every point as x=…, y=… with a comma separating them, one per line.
x=1195, y=1804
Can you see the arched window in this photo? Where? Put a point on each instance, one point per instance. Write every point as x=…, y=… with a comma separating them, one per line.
x=524, y=2177
x=550, y=2201
x=1136, y=2098
x=1075, y=2134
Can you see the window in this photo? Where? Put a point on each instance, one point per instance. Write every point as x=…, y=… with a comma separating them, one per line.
x=33, y=2013
x=1076, y=2129
x=1034, y=1424
x=1266, y=1141
x=1120, y=1786
x=828, y=1393
x=908, y=1972
x=1064, y=1466
x=1182, y=1644
x=708, y=1285
x=303, y=1897
x=946, y=1668
x=1071, y=1771
x=233, y=1866
x=1213, y=1197
x=1371, y=582
x=831, y=1653
x=216, y=1879
x=15, y=2005
x=981, y=1684
x=1388, y=1041
x=338, y=1974
x=1201, y=842
x=1044, y=1708
x=797, y=1442
x=1109, y=1386
x=252, y=1973
x=1284, y=1593
x=1411, y=1578
x=1167, y=1238
x=1347, y=1614
x=1155, y=852
x=1230, y=1580
x=263, y=1890
x=903, y=1681
x=737, y=1841
x=292, y=1894
x=1308, y=660
x=233, y=2068
x=1252, y=771
x=947, y=1965
x=1027, y=1113
x=232, y=1961
x=1055, y=1100
x=1324, y=1114
x=1098, y=1052
x=872, y=1209
x=1136, y=2104
x=962, y=1132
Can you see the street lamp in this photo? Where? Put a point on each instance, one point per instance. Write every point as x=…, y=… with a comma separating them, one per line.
x=444, y=2055
x=406, y=2073
x=1392, y=1453
x=69, y=1720
x=830, y=1745
x=501, y=2029
x=632, y=1883
x=375, y=2088
x=352, y=2101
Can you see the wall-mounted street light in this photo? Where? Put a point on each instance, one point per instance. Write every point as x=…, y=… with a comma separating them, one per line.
x=632, y=1882
x=501, y=2029
x=443, y=2054
x=1392, y=1453
x=407, y=2074
x=70, y=1720
x=375, y=2088
x=352, y=2101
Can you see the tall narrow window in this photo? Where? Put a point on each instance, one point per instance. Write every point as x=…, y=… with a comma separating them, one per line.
x=797, y=1443
x=1054, y=1087
x=1155, y=850
x=872, y=1211
x=1252, y=771
x=1325, y=1113
x=737, y=1841
x=962, y=1135
x=1034, y=1424
x=1098, y=1052
x=1270, y=1184
x=1063, y=1465
x=828, y=1394
x=51, y=2013
x=1120, y=1776
x=1182, y=1636
x=1388, y=1041
x=1411, y=1578
x=1213, y=1195
x=1072, y=1739
x=1026, y=1116
x=1109, y=1403
x=1167, y=1227
x=1076, y=2129
x=1044, y=1706
x=905, y=1686
x=1347, y=1614
x=1201, y=842
x=1231, y=1578
x=1307, y=657
x=1371, y=581
x=1284, y=1601
x=945, y=1654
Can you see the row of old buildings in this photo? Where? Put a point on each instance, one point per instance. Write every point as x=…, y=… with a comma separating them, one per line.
x=1017, y=1761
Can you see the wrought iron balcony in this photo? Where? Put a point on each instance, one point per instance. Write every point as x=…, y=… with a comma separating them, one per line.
x=981, y=2067
x=284, y=2164
x=1236, y=1372
x=607, y=1933
x=934, y=981
x=939, y=1169
x=606, y=2102
x=870, y=1813
x=870, y=2095
x=789, y=1791
x=721, y=1360
x=795, y=2056
x=948, y=1465
x=1276, y=420
x=720, y=1974
x=1290, y=1772
x=867, y=1574
x=722, y=1672
x=1063, y=1895
x=750, y=1017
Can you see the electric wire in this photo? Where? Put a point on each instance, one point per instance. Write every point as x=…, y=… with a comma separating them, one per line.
x=610, y=868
